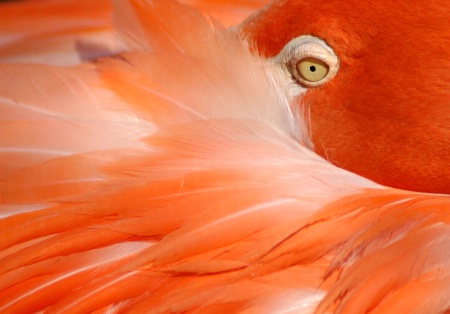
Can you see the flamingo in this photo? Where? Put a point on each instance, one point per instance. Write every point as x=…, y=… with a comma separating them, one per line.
x=386, y=114
x=175, y=173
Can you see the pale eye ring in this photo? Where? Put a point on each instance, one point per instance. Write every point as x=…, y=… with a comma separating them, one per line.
x=309, y=60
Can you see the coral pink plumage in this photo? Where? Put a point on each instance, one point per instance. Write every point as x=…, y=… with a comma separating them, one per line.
x=56, y=32
x=175, y=176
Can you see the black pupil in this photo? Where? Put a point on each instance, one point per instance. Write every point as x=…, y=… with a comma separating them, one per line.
x=312, y=68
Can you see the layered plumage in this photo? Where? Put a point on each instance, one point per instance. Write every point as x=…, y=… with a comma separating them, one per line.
x=55, y=32
x=176, y=177
x=68, y=32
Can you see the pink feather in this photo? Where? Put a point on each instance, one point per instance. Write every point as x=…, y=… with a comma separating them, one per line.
x=176, y=177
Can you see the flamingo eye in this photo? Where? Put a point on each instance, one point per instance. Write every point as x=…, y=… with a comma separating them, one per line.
x=309, y=60
x=312, y=70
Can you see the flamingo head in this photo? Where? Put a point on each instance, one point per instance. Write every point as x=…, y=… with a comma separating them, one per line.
x=376, y=76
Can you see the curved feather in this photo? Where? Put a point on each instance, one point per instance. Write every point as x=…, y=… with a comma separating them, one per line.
x=205, y=197
x=56, y=32
x=50, y=114
x=68, y=32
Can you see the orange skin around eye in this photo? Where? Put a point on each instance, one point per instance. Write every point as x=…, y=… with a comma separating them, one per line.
x=386, y=115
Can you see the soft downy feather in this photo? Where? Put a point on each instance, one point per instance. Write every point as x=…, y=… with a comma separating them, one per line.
x=208, y=198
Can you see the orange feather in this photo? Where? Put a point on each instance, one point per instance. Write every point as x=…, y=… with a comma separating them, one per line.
x=176, y=177
x=55, y=32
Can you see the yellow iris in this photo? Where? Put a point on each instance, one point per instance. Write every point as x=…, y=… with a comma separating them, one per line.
x=312, y=69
